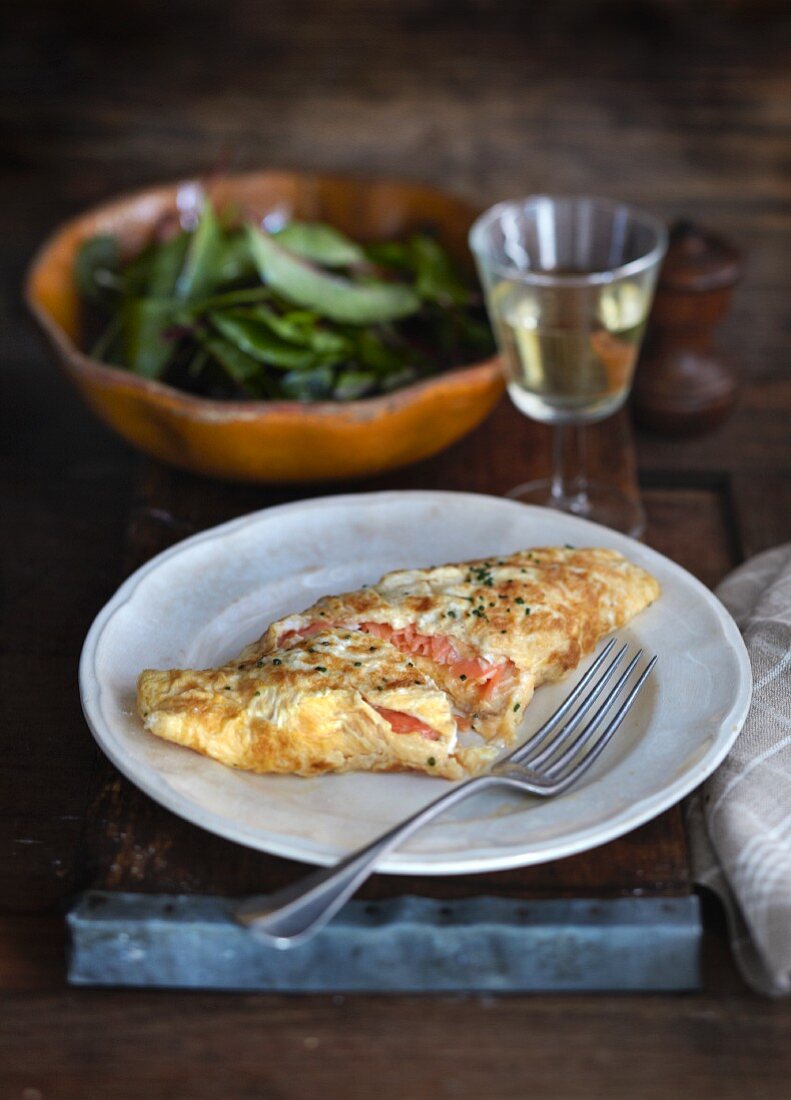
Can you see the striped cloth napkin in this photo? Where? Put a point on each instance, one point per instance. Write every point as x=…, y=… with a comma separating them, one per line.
x=740, y=819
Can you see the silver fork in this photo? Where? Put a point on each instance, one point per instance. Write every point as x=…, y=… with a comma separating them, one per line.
x=545, y=765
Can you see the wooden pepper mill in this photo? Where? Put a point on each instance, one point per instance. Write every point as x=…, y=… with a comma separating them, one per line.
x=683, y=384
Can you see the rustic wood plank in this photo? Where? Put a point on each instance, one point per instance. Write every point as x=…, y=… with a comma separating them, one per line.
x=502, y=452
x=762, y=508
x=692, y=527
x=756, y=439
x=129, y=843
x=117, y=1045
x=59, y=565
x=32, y=950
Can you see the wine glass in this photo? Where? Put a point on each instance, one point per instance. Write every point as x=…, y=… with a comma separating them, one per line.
x=569, y=283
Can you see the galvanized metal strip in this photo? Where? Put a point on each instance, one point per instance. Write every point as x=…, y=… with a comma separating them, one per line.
x=408, y=944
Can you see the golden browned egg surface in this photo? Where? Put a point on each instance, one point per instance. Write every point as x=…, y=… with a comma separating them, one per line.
x=385, y=678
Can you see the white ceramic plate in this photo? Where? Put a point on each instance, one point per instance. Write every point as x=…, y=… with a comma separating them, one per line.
x=198, y=603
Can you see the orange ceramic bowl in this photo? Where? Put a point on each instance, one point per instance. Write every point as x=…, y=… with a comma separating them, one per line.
x=272, y=441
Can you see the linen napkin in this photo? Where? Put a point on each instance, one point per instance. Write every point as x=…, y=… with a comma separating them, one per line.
x=740, y=820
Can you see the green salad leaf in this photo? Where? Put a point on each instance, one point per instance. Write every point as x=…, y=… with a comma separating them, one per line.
x=354, y=384
x=393, y=254
x=257, y=341
x=201, y=272
x=147, y=340
x=243, y=369
x=161, y=267
x=320, y=244
x=436, y=277
x=331, y=296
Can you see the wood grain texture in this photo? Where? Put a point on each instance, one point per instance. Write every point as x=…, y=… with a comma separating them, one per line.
x=252, y=1046
x=762, y=507
x=682, y=107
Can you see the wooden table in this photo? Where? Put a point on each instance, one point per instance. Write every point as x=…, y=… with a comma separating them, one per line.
x=683, y=111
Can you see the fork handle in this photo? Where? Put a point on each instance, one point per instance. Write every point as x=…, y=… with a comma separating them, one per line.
x=293, y=914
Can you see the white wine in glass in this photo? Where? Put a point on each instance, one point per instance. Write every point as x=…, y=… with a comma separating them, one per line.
x=572, y=358
x=569, y=284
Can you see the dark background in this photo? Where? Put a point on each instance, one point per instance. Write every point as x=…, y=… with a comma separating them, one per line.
x=681, y=107
x=684, y=108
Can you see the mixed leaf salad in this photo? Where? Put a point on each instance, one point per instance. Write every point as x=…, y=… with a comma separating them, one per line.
x=299, y=311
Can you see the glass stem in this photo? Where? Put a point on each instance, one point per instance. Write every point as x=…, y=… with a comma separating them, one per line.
x=569, y=490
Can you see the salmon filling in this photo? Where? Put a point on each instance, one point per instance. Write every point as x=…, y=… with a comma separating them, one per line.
x=437, y=647
x=401, y=722
x=305, y=631
x=487, y=675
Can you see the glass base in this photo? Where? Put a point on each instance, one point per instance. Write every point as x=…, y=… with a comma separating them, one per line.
x=599, y=503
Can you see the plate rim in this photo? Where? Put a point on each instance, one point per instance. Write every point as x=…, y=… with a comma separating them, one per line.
x=151, y=783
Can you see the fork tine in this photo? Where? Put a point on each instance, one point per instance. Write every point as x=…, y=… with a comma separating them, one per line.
x=573, y=773
x=560, y=754
x=536, y=759
x=555, y=719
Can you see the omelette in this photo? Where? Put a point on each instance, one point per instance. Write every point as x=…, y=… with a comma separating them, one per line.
x=387, y=677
